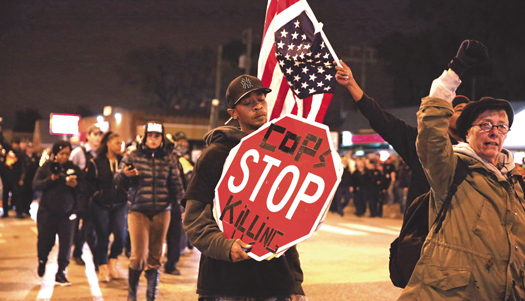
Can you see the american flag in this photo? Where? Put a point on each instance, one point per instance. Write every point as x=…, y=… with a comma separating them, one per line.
x=296, y=61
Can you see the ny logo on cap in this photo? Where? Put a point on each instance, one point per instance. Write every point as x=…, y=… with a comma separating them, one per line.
x=246, y=83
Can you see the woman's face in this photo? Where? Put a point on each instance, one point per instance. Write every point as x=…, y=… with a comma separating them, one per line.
x=115, y=145
x=63, y=155
x=153, y=140
x=488, y=144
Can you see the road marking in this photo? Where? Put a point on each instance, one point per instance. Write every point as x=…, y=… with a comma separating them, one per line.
x=339, y=230
x=369, y=228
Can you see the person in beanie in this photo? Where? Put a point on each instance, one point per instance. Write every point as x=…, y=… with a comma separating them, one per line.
x=60, y=182
x=108, y=204
x=226, y=271
x=395, y=131
x=478, y=253
x=152, y=177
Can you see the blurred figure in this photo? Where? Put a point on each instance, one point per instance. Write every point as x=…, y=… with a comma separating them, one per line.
x=389, y=168
x=152, y=177
x=85, y=231
x=31, y=160
x=402, y=183
x=60, y=182
x=176, y=239
x=108, y=204
x=12, y=172
x=342, y=194
x=371, y=186
x=358, y=182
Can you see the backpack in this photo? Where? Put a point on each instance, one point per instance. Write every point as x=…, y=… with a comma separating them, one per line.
x=405, y=250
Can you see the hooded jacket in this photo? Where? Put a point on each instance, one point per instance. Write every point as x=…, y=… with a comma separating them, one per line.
x=100, y=186
x=158, y=184
x=479, y=253
x=218, y=275
x=56, y=195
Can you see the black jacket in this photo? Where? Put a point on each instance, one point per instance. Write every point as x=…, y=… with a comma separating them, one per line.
x=218, y=276
x=56, y=195
x=402, y=137
x=100, y=187
x=158, y=184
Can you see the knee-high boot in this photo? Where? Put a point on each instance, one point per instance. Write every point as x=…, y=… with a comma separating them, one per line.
x=133, y=280
x=152, y=276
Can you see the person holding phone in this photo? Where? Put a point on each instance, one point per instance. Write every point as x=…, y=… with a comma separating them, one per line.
x=61, y=183
x=153, y=180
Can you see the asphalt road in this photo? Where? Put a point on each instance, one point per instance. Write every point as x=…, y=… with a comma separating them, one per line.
x=347, y=259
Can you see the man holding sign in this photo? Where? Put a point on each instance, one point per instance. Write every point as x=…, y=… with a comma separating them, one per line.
x=226, y=271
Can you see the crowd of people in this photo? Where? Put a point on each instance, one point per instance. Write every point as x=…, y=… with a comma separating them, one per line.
x=369, y=182
x=151, y=193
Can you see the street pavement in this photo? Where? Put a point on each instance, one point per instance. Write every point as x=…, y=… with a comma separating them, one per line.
x=347, y=259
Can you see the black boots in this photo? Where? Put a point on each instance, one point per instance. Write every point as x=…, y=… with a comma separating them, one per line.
x=152, y=276
x=133, y=280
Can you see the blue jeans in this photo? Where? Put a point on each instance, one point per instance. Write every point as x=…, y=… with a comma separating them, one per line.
x=109, y=221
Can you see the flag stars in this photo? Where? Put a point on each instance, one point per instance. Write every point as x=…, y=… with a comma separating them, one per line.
x=305, y=70
x=299, y=46
x=302, y=56
x=291, y=46
x=320, y=84
x=328, y=76
x=326, y=56
x=284, y=33
x=313, y=77
x=287, y=56
x=281, y=63
x=297, y=78
x=307, y=46
x=304, y=85
x=294, y=35
x=303, y=37
x=289, y=70
x=280, y=45
x=297, y=63
x=312, y=90
x=327, y=88
x=320, y=70
x=297, y=23
x=322, y=45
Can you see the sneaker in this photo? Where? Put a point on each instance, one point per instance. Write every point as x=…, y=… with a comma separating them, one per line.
x=41, y=268
x=60, y=279
x=175, y=271
x=78, y=260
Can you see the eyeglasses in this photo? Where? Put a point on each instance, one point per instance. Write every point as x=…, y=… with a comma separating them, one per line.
x=487, y=127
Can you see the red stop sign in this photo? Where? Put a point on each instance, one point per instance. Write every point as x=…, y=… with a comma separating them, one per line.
x=277, y=185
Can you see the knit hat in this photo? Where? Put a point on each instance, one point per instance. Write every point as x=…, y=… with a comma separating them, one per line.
x=474, y=109
x=60, y=145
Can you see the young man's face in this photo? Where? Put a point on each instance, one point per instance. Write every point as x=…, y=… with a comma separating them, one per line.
x=251, y=111
x=94, y=138
x=457, y=111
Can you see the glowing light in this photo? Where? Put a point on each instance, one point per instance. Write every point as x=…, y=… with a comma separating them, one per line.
x=118, y=118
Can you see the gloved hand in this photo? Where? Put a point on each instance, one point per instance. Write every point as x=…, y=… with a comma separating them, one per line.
x=470, y=53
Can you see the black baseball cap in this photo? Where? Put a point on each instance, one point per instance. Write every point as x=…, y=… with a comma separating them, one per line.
x=475, y=108
x=459, y=99
x=242, y=86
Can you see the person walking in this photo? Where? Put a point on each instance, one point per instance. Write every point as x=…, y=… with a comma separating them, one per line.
x=108, y=204
x=61, y=184
x=226, y=272
x=152, y=177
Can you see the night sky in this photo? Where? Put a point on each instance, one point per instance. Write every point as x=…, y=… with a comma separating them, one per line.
x=57, y=55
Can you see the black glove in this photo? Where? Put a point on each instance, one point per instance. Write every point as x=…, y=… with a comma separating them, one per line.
x=470, y=53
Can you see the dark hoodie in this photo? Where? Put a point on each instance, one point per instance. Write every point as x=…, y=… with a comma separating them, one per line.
x=219, y=142
x=218, y=276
